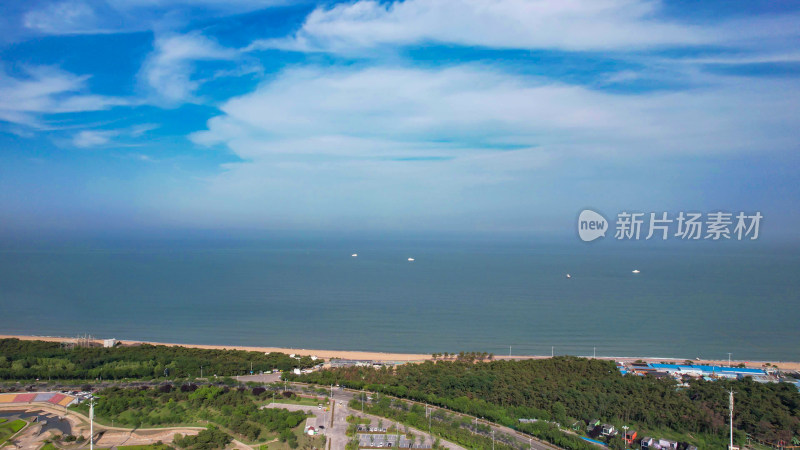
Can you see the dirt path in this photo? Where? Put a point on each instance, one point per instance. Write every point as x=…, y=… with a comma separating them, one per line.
x=106, y=436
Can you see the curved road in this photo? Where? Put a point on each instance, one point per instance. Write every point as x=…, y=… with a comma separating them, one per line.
x=345, y=395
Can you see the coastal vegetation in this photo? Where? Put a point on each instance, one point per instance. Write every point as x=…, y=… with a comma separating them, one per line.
x=233, y=411
x=209, y=439
x=570, y=391
x=29, y=360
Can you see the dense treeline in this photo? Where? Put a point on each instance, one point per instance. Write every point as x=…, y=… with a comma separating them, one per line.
x=208, y=439
x=566, y=389
x=235, y=409
x=26, y=360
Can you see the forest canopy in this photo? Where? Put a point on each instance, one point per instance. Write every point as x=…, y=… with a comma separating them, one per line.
x=27, y=360
x=569, y=389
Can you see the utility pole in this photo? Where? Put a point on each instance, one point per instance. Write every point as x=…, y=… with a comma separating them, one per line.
x=594, y=352
x=492, y=439
x=201, y=371
x=731, y=409
x=509, y=351
x=729, y=359
x=91, y=424
x=552, y=351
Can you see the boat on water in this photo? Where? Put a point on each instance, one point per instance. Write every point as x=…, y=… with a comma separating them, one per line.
x=411, y=259
x=354, y=255
x=569, y=276
x=635, y=271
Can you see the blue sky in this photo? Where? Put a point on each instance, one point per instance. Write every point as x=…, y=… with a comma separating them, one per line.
x=502, y=116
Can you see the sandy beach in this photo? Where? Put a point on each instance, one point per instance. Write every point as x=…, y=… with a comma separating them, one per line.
x=398, y=357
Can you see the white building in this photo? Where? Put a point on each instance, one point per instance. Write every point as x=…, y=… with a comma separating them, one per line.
x=108, y=343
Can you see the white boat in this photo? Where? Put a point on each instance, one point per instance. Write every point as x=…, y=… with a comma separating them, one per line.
x=569, y=276
x=411, y=259
x=354, y=255
x=635, y=270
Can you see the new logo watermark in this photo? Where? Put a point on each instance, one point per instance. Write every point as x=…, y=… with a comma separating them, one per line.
x=713, y=226
x=591, y=225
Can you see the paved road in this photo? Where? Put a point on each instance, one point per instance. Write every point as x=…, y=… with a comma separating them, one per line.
x=335, y=420
x=345, y=395
x=260, y=378
x=342, y=410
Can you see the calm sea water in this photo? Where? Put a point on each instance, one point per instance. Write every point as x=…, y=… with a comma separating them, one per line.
x=688, y=301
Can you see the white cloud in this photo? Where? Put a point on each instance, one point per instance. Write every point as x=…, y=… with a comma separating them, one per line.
x=169, y=68
x=90, y=138
x=48, y=90
x=111, y=16
x=66, y=17
x=566, y=24
x=312, y=110
x=100, y=138
x=312, y=137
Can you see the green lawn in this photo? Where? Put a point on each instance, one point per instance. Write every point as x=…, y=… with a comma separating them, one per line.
x=300, y=401
x=144, y=447
x=7, y=429
x=303, y=441
x=48, y=446
x=234, y=411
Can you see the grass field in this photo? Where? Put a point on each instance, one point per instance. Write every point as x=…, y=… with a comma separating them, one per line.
x=7, y=429
x=303, y=441
x=144, y=447
x=300, y=401
x=234, y=411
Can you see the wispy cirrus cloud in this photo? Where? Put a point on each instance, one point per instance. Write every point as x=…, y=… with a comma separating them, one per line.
x=92, y=138
x=66, y=17
x=47, y=90
x=168, y=70
x=569, y=25
x=106, y=137
x=622, y=29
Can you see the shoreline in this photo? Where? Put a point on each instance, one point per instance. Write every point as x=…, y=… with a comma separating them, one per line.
x=399, y=357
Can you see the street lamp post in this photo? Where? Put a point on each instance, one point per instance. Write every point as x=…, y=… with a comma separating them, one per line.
x=91, y=424
x=625, y=435
x=492, y=439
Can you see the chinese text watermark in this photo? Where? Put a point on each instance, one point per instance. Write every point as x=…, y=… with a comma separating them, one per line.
x=714, y=226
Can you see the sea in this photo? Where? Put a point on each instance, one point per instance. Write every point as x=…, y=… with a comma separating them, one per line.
x=689, y=300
